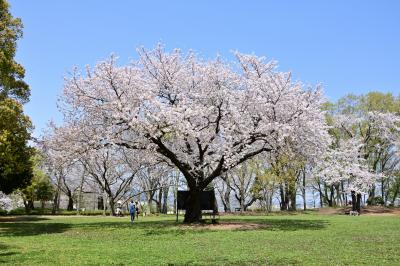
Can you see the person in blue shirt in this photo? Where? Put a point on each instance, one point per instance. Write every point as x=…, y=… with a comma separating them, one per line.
x=132, y=211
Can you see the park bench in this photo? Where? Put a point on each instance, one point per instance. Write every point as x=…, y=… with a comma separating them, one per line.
x=209, y=209
x=212, y=215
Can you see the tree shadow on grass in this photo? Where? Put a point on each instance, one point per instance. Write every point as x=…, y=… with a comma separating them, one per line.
x=4, y=252
x=28, y=226
x=170, y=227
x=148, y=228
x=13, y=219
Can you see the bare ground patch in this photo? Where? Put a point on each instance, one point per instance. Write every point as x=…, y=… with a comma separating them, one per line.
x=370, y=211
x=226, y=226
x=381, y=211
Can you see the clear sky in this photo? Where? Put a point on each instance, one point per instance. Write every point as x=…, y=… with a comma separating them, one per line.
x=348, y=46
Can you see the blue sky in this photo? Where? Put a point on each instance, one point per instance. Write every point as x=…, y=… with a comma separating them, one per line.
x=348, y=46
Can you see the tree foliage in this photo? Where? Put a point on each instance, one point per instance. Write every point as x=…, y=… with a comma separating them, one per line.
x=40, y=188
x=15, y=163
x=11, y=73
x=364, y=153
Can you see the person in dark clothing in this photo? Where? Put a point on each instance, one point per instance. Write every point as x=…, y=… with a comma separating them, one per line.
x=132, y=211
x=137, y=210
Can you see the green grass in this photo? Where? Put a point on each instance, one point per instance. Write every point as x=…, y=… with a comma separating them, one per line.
x=303, y=239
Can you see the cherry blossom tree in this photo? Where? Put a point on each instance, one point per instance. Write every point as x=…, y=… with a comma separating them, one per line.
x=106, y=167
x=62, y=164
x=361, y=141
x=374, y=118
x=204, y=117
x=346, y=163
x=378, y=134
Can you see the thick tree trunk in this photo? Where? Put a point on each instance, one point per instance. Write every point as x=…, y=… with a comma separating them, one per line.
x=353, y=201
x=165, y=200
x=56, y=202
x=227, y=200
x=248, y=204
x=371, y=196
x=241, y=202
x=193, y=207
x=104, y=203
x=284, y=199
x=292, y=196
x=329, y=199
x=30, y=205
x=292, y=202
x=70, y=206
x=112, y=206
x=158, y=202
x=356, y=201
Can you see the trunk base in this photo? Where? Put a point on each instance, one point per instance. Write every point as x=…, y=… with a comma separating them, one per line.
x=193, y=207
x=356, y=202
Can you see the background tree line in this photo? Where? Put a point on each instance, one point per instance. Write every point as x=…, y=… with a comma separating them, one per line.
x=286, y=175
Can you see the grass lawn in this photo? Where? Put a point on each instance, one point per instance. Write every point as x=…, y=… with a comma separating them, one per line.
x=302, y=239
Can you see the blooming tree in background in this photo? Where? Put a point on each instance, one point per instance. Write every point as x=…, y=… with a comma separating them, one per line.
x=362, y=139
x=203, y=117
x=62, y=165
x=346, y=163
x=10, y=202
x=107, y=169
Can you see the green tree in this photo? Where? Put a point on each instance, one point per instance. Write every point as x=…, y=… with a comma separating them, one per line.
x=11, y=73
x=15, y=163
x=41, y=188
x=15, y=127
x=265, y=184
x=44, y=190
x=287, y=167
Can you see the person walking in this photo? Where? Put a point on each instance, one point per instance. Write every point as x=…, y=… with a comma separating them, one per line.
x=137, y=210
x=132, y=210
